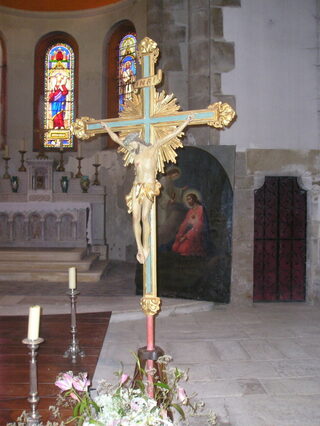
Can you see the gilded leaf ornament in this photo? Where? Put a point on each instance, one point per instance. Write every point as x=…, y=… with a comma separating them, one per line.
x=150, y=304
x=224, y=114
x=148, y=47
x=79, y=128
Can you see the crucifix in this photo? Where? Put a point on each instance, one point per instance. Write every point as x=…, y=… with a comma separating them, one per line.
x=149, y=130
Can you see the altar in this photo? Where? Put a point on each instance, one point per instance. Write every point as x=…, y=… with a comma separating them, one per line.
x=41, y=214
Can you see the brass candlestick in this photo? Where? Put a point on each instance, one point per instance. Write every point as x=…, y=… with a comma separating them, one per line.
x=42, y=155
x=22, y=167
x=33, y=417
x=79, y=174
x=74, y=348
x=96, y=179
x=61, y=163
x=6, y=173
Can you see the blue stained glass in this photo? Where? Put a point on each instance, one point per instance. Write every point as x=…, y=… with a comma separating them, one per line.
x=127, y=68
x=59, y=96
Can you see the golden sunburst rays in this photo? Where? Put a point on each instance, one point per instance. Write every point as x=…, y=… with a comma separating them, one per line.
x=132, y=107
x=165, y=104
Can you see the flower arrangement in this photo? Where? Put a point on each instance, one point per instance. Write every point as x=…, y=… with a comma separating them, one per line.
x=127, y=402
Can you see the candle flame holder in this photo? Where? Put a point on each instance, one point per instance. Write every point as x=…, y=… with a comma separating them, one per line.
x=79, y=174
x=33, y=417
x=22, y=167
x=6, y=173
x=96, y=174
x=74, y=349
x=61, y=168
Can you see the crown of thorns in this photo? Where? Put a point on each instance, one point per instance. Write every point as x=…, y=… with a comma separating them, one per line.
x=133, y=137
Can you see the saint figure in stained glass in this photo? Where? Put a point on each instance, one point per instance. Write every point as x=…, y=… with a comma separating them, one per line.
x=59, y=96
x=127, y=68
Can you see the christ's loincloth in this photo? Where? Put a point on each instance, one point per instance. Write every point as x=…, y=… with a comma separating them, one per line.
x=141, y=191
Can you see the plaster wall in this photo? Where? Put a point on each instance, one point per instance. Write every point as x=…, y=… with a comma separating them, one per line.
x=276, y=76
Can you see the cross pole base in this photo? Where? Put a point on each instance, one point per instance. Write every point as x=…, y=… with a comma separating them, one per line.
x=145, y=355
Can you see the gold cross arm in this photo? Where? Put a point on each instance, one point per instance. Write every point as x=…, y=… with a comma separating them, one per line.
x=217, y=115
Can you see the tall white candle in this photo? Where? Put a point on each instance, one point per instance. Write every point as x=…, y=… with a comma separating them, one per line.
x=23, y=145
x=96, y=160
x=34, y=322
x=79, y=150
x=72, y=278
x=6, y=151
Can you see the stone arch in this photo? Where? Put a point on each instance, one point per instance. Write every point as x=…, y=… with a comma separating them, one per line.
x=35, y=227
x=18, y=227
x=4, y=227
x=50, y=227
x=67, y=227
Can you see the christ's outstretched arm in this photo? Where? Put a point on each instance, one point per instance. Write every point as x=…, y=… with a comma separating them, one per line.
x=112, y=135
x=175, y=132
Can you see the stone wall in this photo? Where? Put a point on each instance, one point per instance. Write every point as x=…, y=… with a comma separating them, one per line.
x=194, y=54
x=251, y=169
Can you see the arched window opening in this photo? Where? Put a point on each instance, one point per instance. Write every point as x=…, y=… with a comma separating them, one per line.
x=3, y=88
x=55, y=97
x=59, y=96
x=120, y=70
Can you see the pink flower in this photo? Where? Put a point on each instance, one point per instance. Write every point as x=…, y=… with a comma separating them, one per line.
x=65, y=382
x=182, y=395
x=123, y=378
x=164, y=413
x=81, y=383
x=74, y=396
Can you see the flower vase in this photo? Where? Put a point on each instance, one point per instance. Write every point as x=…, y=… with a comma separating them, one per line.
x=64, y=182
x=84, y=183
x=14, y=183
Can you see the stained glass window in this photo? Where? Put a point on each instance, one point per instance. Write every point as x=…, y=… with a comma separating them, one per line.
x=127, y=68
x=1, y=91
x=3, y=86
x=59, y=96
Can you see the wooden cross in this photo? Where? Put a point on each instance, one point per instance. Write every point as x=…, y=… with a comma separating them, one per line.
x=155, y=115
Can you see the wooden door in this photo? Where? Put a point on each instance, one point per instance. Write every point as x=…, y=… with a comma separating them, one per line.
x=279, y=241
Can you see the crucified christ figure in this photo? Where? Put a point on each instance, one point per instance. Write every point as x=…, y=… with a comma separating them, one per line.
x=145, y=186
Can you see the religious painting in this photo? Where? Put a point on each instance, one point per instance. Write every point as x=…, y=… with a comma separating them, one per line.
x=127, y=68
x=194, y=227
x=59, y=96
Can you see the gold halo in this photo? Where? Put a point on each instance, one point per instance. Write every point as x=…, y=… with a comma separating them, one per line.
x=191, y=191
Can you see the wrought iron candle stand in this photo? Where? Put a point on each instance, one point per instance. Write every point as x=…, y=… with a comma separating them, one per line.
x=79, y=174
x=96, y=174
x=61, y=163
x=74, y=350
x=22, y=167
x=33, y=417
x=6, y=173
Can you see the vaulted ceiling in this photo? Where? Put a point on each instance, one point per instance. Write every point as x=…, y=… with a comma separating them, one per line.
x=56, y=5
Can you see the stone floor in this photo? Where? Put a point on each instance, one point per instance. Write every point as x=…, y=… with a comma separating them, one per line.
x=253, y=366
